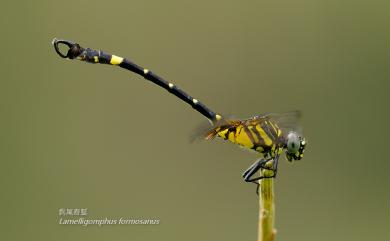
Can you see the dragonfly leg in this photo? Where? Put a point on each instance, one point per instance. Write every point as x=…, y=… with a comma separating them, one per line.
x=255, y=167
x=275, y=166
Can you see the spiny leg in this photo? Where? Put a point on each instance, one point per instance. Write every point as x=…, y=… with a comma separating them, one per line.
x=260, y=163
x=255, y=167
x=275, y=166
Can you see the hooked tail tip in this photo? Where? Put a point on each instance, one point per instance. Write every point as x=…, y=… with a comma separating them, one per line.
x=73, y=51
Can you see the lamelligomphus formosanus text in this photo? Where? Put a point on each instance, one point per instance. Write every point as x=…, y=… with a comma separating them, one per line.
x=268, y=134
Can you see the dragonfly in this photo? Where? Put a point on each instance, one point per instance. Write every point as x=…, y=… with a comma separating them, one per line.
x=267, y=134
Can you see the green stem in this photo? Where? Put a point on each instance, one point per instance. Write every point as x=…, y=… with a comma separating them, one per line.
x=267, y=231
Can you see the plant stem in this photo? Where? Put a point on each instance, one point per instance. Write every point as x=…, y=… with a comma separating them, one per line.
x=267, y=231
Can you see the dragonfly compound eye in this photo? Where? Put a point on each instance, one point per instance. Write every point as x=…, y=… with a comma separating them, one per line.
x=293, y=143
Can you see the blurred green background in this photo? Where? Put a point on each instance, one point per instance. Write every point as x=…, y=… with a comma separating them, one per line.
x=76, y=135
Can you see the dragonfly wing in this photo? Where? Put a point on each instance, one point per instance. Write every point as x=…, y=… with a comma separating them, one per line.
x=207, y=131
x=286, y=121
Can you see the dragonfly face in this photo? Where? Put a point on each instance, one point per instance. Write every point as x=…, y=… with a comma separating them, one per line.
x=295, y=146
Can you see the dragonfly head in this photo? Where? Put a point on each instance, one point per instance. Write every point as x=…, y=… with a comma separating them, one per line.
x=295, y=146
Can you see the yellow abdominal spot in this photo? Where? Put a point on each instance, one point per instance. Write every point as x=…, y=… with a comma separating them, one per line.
x=115, y=60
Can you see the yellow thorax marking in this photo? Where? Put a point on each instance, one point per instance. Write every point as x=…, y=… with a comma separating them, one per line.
x=276, y=128
x=267, y=140
x=242, y=138
x=255, y=137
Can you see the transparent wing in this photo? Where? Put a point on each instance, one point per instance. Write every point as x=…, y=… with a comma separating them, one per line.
x=207, y=130
x=200, y=132
x=287, y=121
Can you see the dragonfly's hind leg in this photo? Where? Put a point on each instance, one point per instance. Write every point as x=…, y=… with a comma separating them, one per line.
x=255, y=167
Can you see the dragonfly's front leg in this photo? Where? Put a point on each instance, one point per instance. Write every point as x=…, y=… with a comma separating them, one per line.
x=258, y=165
